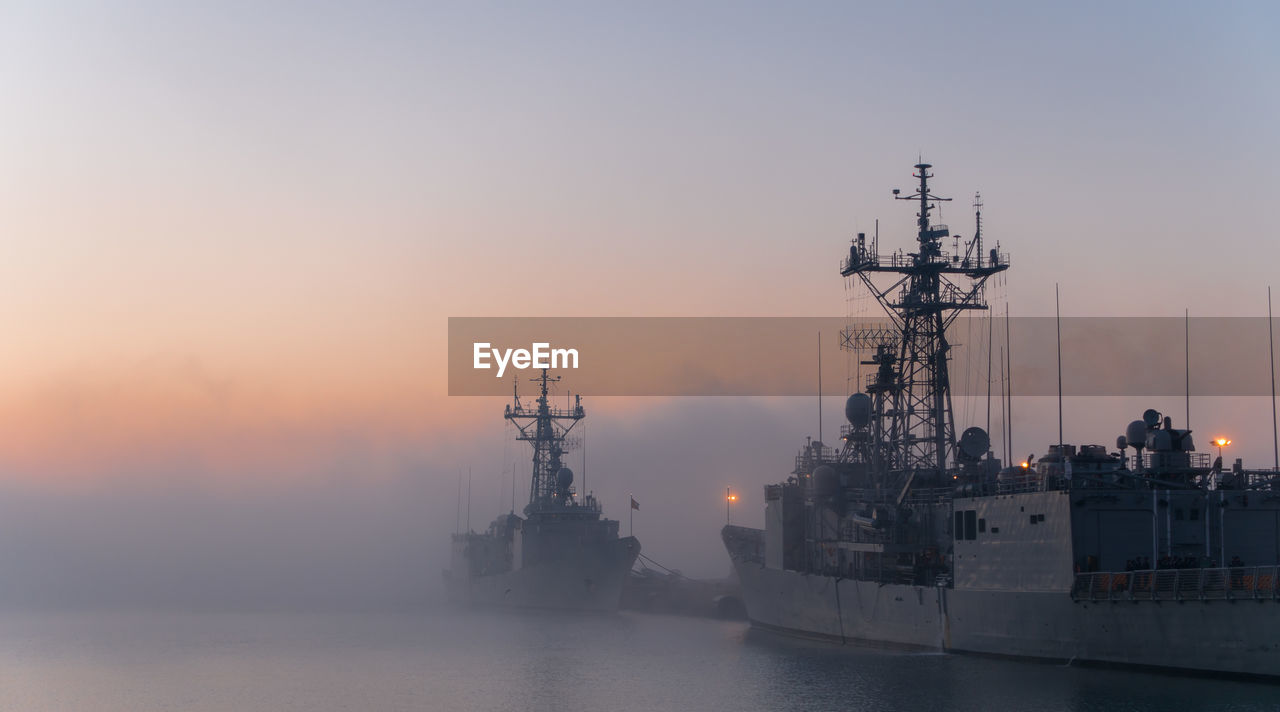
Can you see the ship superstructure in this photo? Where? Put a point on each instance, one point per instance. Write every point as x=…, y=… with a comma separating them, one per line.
x=908, y=536
x=562, y=553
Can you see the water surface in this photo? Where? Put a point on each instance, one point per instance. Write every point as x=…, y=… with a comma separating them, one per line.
x=445, y=659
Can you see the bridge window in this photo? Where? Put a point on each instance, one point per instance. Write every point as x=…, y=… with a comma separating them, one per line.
x=959, y=525
x=971, y=524
x=982, y=526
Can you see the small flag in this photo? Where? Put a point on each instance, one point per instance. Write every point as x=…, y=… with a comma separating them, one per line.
x=634, y=503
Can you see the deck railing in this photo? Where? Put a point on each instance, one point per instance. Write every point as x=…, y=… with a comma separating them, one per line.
x=1240, y=582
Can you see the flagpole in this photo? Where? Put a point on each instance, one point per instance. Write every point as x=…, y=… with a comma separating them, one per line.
x=631, y=516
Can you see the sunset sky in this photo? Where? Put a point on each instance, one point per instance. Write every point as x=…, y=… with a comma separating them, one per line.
x=231, y=234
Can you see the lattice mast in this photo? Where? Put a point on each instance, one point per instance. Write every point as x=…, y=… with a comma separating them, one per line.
x=911, y=388
x=545, y=428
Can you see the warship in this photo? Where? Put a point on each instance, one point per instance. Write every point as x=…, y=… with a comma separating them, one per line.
x=905, y=536
x=562, y=554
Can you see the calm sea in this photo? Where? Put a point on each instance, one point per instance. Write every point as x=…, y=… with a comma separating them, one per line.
x=443, y=659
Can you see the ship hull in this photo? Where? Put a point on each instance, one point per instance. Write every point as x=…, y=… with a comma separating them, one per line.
x=1218, y=636
x=578, y=581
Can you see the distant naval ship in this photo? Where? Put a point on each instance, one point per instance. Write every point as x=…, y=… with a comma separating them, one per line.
x=905, y=536
x=562, y=554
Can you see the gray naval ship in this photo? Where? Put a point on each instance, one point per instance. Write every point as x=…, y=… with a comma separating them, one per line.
x=562, y=554
x=905, y=536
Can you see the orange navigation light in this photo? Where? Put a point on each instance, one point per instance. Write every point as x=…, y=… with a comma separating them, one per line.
x=1221, y=443
x=1025, y=465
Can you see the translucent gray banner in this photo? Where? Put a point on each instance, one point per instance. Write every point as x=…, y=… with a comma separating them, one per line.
x=778, y=356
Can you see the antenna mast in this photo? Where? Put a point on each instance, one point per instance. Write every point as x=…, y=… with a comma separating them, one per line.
x=1271, y=342
x=819, y=386
x=1008, y=355
x=913, y=389
x=977, y=238
x=1057, y=312
x=1004, y=415
x=545, y=428
x=977, y=224
x=1186, y=343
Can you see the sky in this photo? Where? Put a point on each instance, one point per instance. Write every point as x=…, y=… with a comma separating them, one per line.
x=231, y=236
